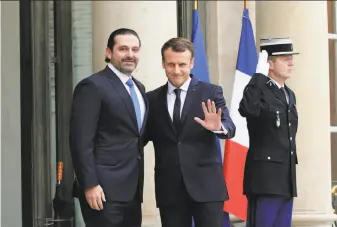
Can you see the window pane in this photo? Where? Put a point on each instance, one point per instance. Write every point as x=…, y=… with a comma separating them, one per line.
x=333, y=81
x=332, y=16
x=334, y=167
x=334, y=157
x=185, y=9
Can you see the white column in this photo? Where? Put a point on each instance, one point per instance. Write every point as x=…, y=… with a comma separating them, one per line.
x=306, y=22
x=155, y=22
x=11, y=200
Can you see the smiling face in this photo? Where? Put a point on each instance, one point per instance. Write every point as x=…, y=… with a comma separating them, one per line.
x=125, y=53
x=177, y=60
x=177, y=66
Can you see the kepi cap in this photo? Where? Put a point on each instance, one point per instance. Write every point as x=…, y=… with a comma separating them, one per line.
x=277, y=46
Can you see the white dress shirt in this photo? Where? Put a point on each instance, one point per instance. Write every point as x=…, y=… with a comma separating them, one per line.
x=171, y=98
x=124, y=78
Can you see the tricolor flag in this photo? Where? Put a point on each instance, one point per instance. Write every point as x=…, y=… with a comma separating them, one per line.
x=200, y=70
x=236, y=148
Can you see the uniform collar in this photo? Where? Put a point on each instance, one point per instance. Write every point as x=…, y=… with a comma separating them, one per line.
x=274, y=82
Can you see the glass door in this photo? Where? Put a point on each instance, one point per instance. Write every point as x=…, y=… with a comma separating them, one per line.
x=46, y=88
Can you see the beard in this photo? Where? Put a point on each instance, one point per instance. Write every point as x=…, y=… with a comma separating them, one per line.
x=126, y=65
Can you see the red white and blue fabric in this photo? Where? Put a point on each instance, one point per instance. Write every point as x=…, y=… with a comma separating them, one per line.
x=236, y=148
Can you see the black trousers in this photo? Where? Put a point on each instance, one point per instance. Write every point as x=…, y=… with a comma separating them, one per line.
x=180, y=213
x=114, y=214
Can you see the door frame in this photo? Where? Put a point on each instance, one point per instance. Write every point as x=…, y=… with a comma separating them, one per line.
x=35, y=105
x=26, y=87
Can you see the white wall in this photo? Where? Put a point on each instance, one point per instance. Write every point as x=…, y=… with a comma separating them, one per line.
x=10, y=115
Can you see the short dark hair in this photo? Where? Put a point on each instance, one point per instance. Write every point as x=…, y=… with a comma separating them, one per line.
x=272, y=58
x=120, y=31
x=178, y=44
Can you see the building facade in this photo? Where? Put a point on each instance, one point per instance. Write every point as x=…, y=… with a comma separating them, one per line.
x=47, y=47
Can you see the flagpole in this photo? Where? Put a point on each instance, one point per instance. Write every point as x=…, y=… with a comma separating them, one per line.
x=245, y=4
x=195, y=4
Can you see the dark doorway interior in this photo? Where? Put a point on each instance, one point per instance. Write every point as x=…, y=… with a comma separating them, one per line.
x=46, y=92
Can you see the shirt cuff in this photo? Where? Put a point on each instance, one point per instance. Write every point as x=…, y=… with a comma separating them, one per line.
x=222, y=131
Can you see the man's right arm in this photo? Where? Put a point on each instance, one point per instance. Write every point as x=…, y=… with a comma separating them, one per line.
x=251, y=104
x=84, y=118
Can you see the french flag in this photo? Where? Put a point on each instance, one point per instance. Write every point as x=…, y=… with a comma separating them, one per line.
x=236, y=148
x=200, y=70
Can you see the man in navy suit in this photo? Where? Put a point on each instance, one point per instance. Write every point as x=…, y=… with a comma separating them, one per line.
x=185, y=117
x=108, y=118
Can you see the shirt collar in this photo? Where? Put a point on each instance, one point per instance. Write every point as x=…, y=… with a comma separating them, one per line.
x=123, y=77
x=274, y=81
x=183, y=87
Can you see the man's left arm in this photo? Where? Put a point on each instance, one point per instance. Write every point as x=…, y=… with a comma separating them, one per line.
x=227, y=126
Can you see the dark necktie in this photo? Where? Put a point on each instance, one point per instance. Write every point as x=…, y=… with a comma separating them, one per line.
x=176, y=110
x=285, y=93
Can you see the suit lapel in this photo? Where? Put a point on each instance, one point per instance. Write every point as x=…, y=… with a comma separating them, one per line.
x=123, y=93
x=142, y=91
x=191, y=92
x=164, y=107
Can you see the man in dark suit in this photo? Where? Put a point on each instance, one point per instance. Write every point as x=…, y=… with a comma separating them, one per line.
x=188, y=173
x=269, y=107
x=108, y=118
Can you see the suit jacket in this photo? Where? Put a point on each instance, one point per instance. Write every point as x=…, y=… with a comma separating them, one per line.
x=191, y=154
x=106, y=145
x=271, y=160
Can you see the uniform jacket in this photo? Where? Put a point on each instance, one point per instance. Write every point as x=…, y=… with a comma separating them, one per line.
x=272, y=125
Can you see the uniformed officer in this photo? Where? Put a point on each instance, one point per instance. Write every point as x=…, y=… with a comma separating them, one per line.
x=269, y=107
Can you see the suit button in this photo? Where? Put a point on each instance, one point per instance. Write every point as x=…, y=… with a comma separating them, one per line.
x=292, y=152
x=289, y=124
x=268, y=158
x=179, y=143
x=289, y=111
x=178, y=163
x=291, y=138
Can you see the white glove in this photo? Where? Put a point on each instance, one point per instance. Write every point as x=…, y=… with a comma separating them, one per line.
x=263, y=65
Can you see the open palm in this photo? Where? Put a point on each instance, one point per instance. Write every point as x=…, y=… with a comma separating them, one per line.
x=212, y=119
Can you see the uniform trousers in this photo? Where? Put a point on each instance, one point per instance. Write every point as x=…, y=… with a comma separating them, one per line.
x=269, y=211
